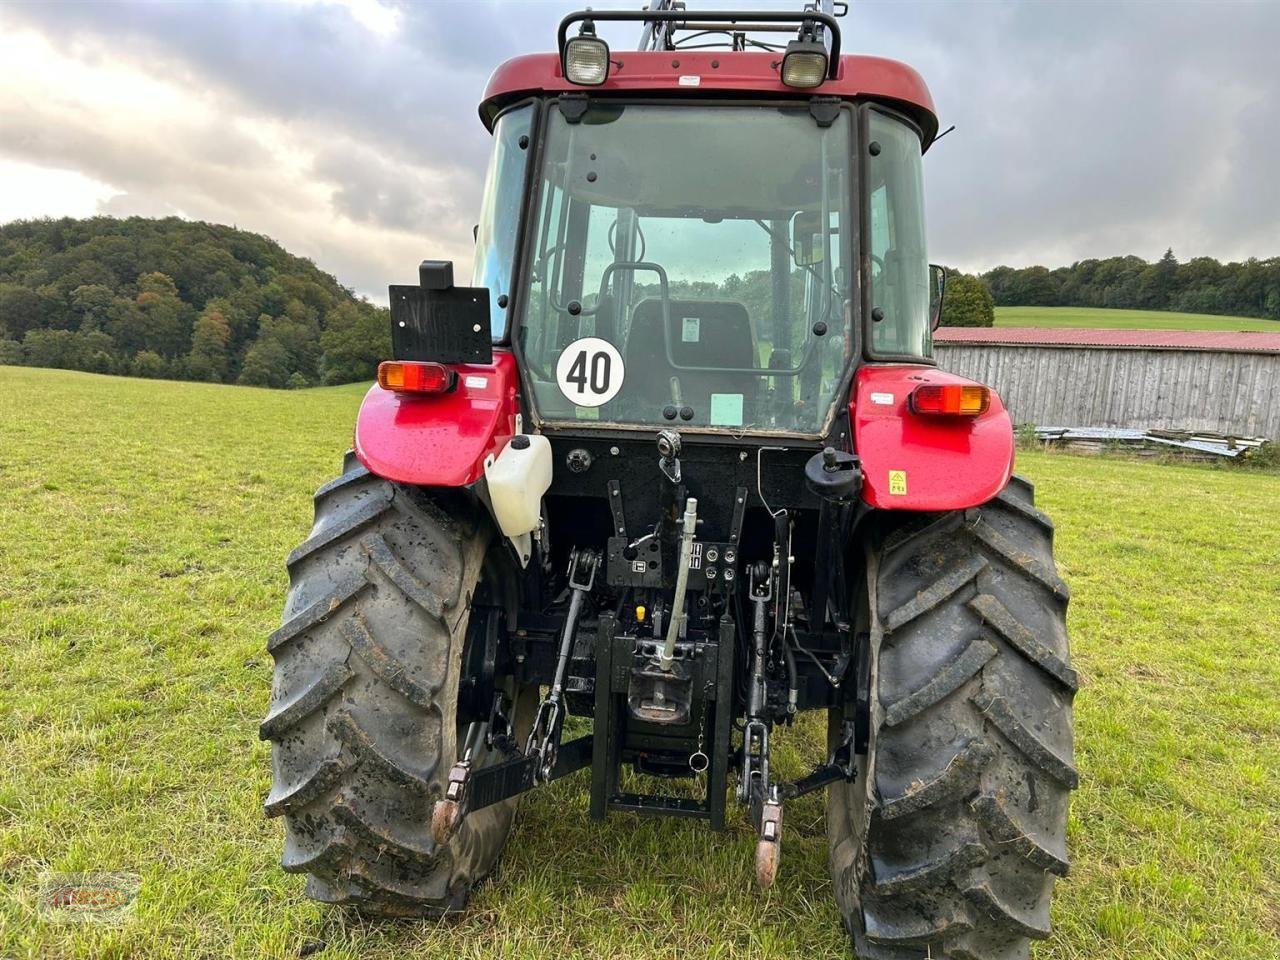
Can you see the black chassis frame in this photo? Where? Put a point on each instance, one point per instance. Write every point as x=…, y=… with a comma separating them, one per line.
x=771, y=472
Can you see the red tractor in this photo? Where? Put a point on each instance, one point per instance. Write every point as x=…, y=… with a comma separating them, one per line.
x=679, y=462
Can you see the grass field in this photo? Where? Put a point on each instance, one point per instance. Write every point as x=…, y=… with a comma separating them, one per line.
x=143, y=529
x=1125, y=319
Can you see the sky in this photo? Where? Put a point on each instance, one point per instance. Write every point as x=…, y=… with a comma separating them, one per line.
x=347, y=129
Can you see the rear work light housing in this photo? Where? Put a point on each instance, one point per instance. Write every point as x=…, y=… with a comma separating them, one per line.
x=586, y=58
x=950, y=400
x=407, y=376
x=805, y=62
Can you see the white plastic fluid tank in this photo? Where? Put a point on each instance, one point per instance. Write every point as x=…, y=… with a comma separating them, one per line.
x=518, y=477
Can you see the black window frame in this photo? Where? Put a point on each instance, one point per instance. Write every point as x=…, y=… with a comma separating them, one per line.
x=864, y=137
x=532, y=162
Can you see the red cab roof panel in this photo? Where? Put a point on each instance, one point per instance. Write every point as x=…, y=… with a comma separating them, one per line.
x=712, y=73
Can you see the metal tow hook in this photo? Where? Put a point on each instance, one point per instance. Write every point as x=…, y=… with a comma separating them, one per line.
x=544, y=738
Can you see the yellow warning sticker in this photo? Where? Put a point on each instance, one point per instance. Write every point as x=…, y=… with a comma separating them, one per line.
x=898, y=483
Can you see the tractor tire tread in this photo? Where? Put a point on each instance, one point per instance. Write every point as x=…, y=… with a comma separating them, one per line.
x=362, y=746
x=1019, y=734
x=356, y=520
x=313, y=615
x=386, y=666
x=997, y=616
x=385, y=562
x=324, y=776
x=935, y=594
x=306, y=701
x=1004, y=830
x=951, y=783
x=966, y=854
x=950, y=679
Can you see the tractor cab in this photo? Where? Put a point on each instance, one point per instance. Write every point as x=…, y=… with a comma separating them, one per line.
x=660, y=255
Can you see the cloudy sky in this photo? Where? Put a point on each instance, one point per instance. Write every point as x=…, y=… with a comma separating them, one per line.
x=347, y=130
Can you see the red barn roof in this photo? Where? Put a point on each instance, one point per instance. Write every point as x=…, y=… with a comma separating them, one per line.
x=1211, y=340
x=712, y=73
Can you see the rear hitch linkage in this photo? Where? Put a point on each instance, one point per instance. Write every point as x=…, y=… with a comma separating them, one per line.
x=544, y=738
x=754, y=786
x=542, y=759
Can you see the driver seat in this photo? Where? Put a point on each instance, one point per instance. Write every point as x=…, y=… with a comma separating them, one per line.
x=703, y=333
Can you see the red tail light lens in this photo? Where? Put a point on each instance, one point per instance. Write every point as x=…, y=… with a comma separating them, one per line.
x=950, y=400
x=406, y=376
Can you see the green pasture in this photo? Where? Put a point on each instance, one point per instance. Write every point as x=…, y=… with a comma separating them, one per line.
x=1126, y=319
x=143, y=530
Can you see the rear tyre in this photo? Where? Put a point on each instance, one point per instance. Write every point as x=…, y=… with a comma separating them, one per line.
x=364, y=709
x=949, y=842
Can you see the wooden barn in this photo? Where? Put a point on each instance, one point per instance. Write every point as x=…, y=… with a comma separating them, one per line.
x=1193, y=380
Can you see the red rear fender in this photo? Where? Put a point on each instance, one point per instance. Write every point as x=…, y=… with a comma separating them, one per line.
x=914, y=462
x=440, y=440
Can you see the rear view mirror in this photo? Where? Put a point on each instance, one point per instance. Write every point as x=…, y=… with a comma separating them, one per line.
x=807, y=247
x=937, y=286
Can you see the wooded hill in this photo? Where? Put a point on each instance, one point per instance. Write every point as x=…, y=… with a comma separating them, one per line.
x=179, y=299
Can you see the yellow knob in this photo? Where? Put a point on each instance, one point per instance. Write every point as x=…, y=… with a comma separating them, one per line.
x=640, y=613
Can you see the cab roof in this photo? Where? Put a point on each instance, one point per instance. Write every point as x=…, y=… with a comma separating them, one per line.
x=712, y=74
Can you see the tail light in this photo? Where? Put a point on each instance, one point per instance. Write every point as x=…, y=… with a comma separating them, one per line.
x=405, y=376
x=950, y=400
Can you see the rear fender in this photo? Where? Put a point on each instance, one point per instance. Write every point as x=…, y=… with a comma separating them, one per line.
x=440, y=440
x=914, y=462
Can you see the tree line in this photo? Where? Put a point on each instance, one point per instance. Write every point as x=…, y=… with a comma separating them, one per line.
x=198, y=301
x=1201, y=285
x=182, y=300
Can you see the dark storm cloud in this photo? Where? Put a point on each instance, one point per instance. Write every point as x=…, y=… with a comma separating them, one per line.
x=372, y=189
x=1089, y=129
x=1084, y=129
x=302, y=63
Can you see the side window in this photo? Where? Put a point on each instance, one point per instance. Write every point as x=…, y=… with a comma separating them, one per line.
x=888, y=338
x=900, y=291
x=500, y=211
x=880, y=222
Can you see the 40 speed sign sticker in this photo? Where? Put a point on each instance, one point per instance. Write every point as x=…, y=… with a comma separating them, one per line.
x=589, y=372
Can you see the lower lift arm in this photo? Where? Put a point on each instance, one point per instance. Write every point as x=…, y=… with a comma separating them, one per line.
x=473, y=788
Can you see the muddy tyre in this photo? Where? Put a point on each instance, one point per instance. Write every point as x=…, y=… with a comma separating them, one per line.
x=949, y=842
x=363, y=718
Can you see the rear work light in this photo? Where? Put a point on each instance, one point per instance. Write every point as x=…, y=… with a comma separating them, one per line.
x=804, y=64
x=405, y=376
x=950, y=400
x=586, y=58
